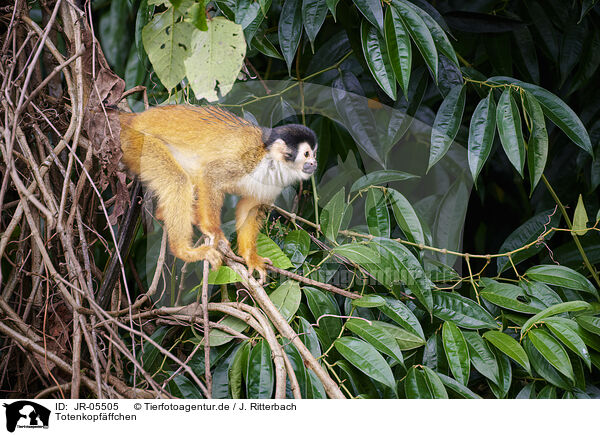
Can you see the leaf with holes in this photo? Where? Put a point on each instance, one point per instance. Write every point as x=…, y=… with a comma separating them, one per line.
x=216, y=58
x=168, y=43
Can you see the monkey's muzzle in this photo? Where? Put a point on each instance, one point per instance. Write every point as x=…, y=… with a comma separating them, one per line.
x=310, y=166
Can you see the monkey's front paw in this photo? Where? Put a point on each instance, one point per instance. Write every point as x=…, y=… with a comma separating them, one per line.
x=258, y=263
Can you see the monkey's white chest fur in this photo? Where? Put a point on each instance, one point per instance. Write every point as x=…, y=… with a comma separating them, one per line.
x=267, y=180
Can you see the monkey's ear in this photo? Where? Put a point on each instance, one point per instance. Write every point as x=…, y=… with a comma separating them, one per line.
x=279, y=150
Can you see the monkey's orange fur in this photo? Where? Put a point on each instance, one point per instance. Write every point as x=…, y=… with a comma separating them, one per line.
x=190, y=157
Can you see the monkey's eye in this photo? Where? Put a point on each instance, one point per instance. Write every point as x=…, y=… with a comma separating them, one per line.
x=306, y=154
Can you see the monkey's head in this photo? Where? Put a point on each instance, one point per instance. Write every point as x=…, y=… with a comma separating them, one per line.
x=294, y=145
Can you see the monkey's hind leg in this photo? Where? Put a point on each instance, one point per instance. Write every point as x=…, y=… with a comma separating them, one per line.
x=249, y=218
x=207, y=212
x=175, y=193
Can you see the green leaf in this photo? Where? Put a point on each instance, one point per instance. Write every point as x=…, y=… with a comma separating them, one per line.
x=552, y=350
x=254, y=26
x=525, y=234
x=537, y=147
x=260, y=376
x=237, y=370
x=313, y=16
x=456, y=351
x=548, y=392
x=300, y=370
x=542, y=292
x=197, y=15
x=378, y=61
x=462, y=311
x=557, y=111
x=435, y=384
x=482, y=358
x=168, y=43
x=580, y=219
x=509, y=346
x=405, y=268
x=151, y=357
x=541, y=365
x=508, y=120
x=365, y=357
x=220, y=386
x=269, y=249
x=309, y=337
x=266, y=47
x=377, y=178
x=439, y=35
x=321, y=304
x=562, y=276
x=216, y=58
x=406, y=340
x=223, y=275
x=358, y=383
x=565, y=333
x=246, y=12
x=398, y=47
x=218, y=337
x=457, y=387
x=369, y=301
x=377, y=214
x=420, y=34
x=527, y=392
x=332, y=4
x=366, y=257
x=372, y=11
x=589, y=323
x=142, y=17
x=501, y=390
x=296, y=246
x=333, y=214
x=290, y=30
x=423, y=383
x=508, y=296
x=446, y=124
x=440, y=272
x=551, y=311
x=433, y=353
x=402, y=315
x=286, y=298
x=182, y=387
x=379, y=337
x=406, y=217
x=482, y=131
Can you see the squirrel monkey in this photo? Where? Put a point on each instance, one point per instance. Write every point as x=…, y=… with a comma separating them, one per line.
x=190, y=157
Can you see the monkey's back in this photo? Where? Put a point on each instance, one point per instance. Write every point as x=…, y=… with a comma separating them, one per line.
x=205, y=139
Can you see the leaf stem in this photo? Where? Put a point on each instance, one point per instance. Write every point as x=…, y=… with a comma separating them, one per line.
x=563, y=210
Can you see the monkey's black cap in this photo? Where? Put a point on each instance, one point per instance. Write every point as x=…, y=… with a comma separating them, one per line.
x=292, y=134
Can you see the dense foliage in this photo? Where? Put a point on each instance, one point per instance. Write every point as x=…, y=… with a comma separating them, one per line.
x=457, y=192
